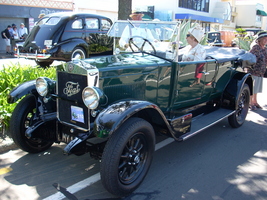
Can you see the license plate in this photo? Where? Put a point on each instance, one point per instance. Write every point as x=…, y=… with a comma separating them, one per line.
x=77, y=114
x=48, y=43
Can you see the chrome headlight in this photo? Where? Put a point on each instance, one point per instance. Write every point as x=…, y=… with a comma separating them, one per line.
x=91, y=97
x=44, y=86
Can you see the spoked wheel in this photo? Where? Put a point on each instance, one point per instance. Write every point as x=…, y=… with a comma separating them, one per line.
x=140, y=48
x=238, y=118
x=23, y=117
x=127, y=157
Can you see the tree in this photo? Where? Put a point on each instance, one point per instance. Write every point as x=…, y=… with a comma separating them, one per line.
x=125, y=9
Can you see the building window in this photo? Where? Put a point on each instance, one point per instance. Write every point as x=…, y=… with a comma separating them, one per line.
x=199, y=5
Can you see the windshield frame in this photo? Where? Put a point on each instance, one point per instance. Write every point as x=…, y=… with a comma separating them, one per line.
x=168, y=33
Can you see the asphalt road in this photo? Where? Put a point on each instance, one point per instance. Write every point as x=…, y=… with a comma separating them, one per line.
x=221, y=163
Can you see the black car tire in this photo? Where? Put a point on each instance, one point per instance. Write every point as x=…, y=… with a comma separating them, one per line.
x=44, y=64
x=238, y=118
x=78, y=53
x=127, y=157
x=21, y=118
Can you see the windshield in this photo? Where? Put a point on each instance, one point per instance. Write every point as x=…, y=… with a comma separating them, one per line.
x=144, y=36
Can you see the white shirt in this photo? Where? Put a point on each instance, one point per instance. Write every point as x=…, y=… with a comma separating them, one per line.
x=22, y=31
x=136, y=31
x=16, y=35
x=194, y=54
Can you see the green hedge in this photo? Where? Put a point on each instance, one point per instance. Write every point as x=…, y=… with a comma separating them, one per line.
x=11, y=76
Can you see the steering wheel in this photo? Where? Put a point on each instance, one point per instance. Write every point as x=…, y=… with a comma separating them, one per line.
x=141, y=49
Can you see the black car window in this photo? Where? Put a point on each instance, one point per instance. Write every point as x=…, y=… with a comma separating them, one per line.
x=105, y=24
x=42, y=21
x=52, y=21
x=92, y=23
x=77, y=24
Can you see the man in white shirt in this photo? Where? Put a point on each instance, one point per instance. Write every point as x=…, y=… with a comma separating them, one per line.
x=131, y=31
x=22, y=31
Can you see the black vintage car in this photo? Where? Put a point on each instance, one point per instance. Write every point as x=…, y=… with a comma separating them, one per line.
x=65, y=36
x=113, y=107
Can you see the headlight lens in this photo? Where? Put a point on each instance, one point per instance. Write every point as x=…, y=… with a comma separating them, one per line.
x=91, y=97
x=43, y=85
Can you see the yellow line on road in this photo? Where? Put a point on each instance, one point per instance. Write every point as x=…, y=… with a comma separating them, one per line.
x=5, y=170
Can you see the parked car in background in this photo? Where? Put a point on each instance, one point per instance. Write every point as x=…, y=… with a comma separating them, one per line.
x=66, y=36
x=113, y=107
x=221, y=38
x=254, y=31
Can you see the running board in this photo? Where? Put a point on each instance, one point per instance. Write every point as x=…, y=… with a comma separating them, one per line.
x=205, y=121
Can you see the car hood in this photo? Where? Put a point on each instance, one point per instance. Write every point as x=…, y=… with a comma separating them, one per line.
x=125, y=60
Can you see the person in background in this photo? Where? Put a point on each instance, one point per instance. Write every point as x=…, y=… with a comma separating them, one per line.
x=41, y=15
x=137, y=16
x=11, y=31
x=15, y=38
x=22, y=31
x=6, y=36
x=130, y=32
x=257, y=72
x=195, y=51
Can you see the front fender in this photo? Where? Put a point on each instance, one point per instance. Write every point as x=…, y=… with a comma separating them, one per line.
x=232, y=91
x=110, y=119
x=21, y=90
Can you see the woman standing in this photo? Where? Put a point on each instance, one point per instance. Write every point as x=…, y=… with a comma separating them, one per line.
x=257, y=72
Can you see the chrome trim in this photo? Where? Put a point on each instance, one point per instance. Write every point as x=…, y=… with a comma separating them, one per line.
x=74, y=126
x=33, y=56
x=189, y=135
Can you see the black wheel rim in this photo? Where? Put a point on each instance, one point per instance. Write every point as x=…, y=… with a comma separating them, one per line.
x=242, y=108
x=133, y=159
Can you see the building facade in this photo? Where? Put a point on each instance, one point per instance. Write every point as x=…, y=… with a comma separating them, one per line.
x=27, y=12
x=213, y=15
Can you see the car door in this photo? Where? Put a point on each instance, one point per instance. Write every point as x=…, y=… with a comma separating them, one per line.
x=187, y=92
x=74, y=29
x=96, y=37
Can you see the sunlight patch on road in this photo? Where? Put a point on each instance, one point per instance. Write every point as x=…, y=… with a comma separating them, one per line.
x=251, y=177
x=5, y=170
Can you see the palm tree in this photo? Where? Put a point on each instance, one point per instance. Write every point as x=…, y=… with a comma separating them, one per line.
x=125, y=9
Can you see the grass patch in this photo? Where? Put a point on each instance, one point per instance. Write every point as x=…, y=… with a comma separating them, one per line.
x=11, y=76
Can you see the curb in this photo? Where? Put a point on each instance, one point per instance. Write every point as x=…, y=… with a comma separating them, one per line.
x=6, y=145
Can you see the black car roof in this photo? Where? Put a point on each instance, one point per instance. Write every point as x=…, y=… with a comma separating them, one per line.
x=74, y=14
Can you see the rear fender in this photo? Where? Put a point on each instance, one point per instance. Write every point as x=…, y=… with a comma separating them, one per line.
x=66, y=47
x=110, y=119
x=22, y=90
x=233, y=89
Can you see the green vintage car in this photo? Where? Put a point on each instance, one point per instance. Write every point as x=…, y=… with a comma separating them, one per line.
x=113, y=107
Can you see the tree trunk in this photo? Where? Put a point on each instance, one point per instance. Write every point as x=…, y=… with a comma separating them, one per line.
x=125, y=9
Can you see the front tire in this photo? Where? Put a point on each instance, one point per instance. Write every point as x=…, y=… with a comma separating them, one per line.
x=127, y=157
x=238, y=118
x=22, y=117
x=44, y=64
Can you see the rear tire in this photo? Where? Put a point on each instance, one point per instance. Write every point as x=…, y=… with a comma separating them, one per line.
x=127, y=157
x=78, y=53
x=22, y=117
x=238, y=118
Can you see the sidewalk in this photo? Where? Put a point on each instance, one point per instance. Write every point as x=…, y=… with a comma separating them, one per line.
x=4, y=55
